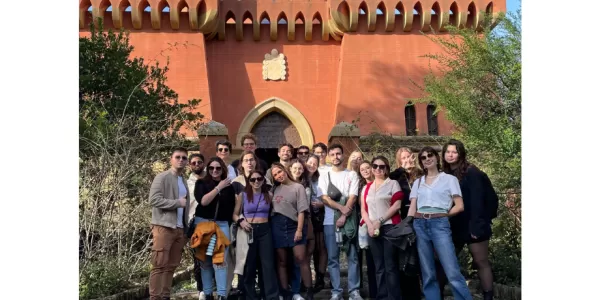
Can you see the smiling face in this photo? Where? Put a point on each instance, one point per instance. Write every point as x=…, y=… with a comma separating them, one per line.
x=355, y=159
x=365, y=170
x=302, y=154
x=451, y=155
x=256, y=180
x=248, y=163
x=223, y=152
x=428, y=159
x=379, y=168
x=312, y=165
x=278, y=174
x=405, y=158
x=320, y=152
x=285, y=153
x=197, y=165
x=215, y=170
x=297, y=169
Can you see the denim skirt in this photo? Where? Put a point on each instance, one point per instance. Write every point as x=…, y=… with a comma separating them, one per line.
x=284, y=229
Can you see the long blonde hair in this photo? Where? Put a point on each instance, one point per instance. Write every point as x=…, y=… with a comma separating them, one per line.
x=357, y=168
x=413, y=173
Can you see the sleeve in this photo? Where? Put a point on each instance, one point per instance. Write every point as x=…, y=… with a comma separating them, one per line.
x=318, y=191
x=476, y=192
x=454, y=186
x=269, y=175
x=301, y=202
x=157, y=198
x=323, y=183
x=361, y=199
x=353, y=184
x=237, y=187
x=397, y=193
x=199, y=191
x=414, y=192
x=231, y=172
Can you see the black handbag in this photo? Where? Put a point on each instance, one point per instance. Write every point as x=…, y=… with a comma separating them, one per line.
x=332, y=191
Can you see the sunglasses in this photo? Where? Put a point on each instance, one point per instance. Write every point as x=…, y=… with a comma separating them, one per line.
x=429, y=155
x=255, y=179
x=178, y=157
x=210, y=168
x=197, y=163
x=376, y=166
x=223, y=149
x=302, y=152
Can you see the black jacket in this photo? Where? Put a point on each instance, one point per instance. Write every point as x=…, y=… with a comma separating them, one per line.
x=402, y=176
x=475, y=219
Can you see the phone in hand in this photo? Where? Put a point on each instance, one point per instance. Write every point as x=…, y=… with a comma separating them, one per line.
x=250, y=236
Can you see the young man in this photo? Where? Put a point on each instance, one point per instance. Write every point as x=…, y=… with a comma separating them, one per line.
x=320, y=150
x=198, y=172
x=302, y=153
x=250, y=142
x=339, y=215
x=224, y=152
x=285, y=157
x=170, y=201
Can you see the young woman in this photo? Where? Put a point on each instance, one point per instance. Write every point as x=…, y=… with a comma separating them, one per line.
x=383, y=198
x=366, y=177
x=317, y=216
x=435, y=197
x=406, y=173
x=254, y=204
x=354, y=160
x=217, y=198
x=473, y=227
x=289, y=229
x=299, y=174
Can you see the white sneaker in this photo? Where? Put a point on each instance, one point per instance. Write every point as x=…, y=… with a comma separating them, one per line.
x=355, y=295
x=201, y=296
x=297, y=297
x=336, y=297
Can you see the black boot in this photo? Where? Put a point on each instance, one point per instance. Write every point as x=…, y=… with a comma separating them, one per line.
x=310, y=293
x=489, y=295
x=210, y=297
x=287, y=294
x=319, y=282
x=221, y=298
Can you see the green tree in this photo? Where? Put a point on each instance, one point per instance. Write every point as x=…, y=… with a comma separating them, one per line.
x=478, y=84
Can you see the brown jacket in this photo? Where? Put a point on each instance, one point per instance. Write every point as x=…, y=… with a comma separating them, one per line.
x=164, y=198
x=201, y=238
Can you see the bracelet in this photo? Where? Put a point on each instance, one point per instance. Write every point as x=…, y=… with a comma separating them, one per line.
x=239, y=221
x=218, y=189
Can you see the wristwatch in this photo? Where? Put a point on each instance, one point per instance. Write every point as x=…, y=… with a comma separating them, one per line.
x=381, y=221
x=239, y=221
x=218, y=189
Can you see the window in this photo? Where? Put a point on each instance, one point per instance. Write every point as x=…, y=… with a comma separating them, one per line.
x=432, y=123
x=411, y=119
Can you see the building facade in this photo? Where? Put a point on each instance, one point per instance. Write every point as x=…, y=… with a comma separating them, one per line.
x=296, y=71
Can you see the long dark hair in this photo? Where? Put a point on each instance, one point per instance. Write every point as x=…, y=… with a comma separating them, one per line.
x=315, y=175
x=304, y=180
x=264, y=189
x=208, y=178
x=361, y=180
x=429, y=150
x=463, y=163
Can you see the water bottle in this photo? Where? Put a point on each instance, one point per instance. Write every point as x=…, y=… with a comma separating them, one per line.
x=363, y=241
x=211, y=245
x=339, y=237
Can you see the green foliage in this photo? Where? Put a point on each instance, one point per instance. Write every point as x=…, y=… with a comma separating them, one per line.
x=478, y=84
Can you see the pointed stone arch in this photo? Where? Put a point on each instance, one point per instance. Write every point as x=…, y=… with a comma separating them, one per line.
x=274, y=104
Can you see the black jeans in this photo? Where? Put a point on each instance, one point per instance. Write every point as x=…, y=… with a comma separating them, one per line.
x=261, y=247
x=198, y=274
x=387, y=267
x=371, y=274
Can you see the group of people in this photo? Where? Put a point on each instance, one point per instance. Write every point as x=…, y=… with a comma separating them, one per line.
x=247, y=219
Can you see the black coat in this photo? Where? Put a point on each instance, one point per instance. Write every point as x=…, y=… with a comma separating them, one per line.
x=475, y=219
x=402, y=176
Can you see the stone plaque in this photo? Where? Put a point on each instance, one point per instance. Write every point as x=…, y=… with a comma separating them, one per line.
x=274, y=66
x=275, y=129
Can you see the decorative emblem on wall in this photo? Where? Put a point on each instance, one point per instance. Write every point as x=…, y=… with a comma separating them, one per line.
x=274, y=66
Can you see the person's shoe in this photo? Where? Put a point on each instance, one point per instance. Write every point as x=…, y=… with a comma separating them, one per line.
x=319, y=282
x=201, y=296
x=489, y=295
x=310, y=294
x=302, y=289
x=355, y=295
x=297, y=297
x=209, y=297
x=222, y=298
x=336, y=297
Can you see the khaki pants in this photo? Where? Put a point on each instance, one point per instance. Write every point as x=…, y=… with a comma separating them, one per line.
x=241, y=251
x=167, y=249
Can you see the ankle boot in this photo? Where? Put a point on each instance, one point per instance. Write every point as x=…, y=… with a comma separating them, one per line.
x=319, y=282
x=287, y=294
x=310, y=293
x=489, y=295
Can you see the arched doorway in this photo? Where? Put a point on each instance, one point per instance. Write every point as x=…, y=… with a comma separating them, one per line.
x=273, y=130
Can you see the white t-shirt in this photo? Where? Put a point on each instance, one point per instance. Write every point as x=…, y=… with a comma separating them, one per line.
x=182, y=194
x=231, y=172
x=437, y=195
x=346, y=181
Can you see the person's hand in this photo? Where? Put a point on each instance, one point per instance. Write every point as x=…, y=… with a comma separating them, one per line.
x=341, y=221
x=245, y=225
x=224, y=183
x=371, y=230
x=182, y=202
x=316, y=204
x=298, y=236
x=474, y=237
x=345, y=210
x=376, y=225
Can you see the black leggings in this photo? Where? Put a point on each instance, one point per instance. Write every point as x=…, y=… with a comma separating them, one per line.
x=479, y=252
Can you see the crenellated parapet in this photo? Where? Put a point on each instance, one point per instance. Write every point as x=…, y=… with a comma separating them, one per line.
x=332, y=18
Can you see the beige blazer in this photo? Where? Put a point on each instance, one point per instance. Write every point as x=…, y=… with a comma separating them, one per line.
x=164, y=196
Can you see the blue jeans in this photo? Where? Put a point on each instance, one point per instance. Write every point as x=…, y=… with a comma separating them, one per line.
x=209, y=270
x=333, y=262
x=435, y=234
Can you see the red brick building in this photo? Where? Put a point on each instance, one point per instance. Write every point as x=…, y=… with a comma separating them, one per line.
x=342, y=60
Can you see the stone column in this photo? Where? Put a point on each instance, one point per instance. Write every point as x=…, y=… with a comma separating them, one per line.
x=347, y=135
x=208, y=135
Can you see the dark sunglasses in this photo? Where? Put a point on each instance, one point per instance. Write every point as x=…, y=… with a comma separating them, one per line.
x=429, y=155
x=255, y=179
x=210, y=168
x=197, y=163
x=181, y=157
x=376, y=166
x=223, y=149
x=302, y=152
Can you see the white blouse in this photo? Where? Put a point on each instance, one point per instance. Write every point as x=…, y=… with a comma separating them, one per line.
x=379, y=201
x=438, y=195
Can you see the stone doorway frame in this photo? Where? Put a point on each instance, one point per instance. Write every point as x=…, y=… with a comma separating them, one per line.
x=274, y=104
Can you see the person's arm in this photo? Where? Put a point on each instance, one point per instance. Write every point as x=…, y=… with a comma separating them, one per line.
x=458, y=206
x=363, y=211
x=157, y=198
x=412, y=210
x=207, y=198
x=328, y=201
x=238, y=207
x=478, y=216
x=353, y=190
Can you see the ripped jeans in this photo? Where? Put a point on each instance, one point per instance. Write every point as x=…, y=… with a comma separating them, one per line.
x=209, y=270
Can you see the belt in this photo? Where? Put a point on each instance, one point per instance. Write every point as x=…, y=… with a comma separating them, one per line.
x=429, y=216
